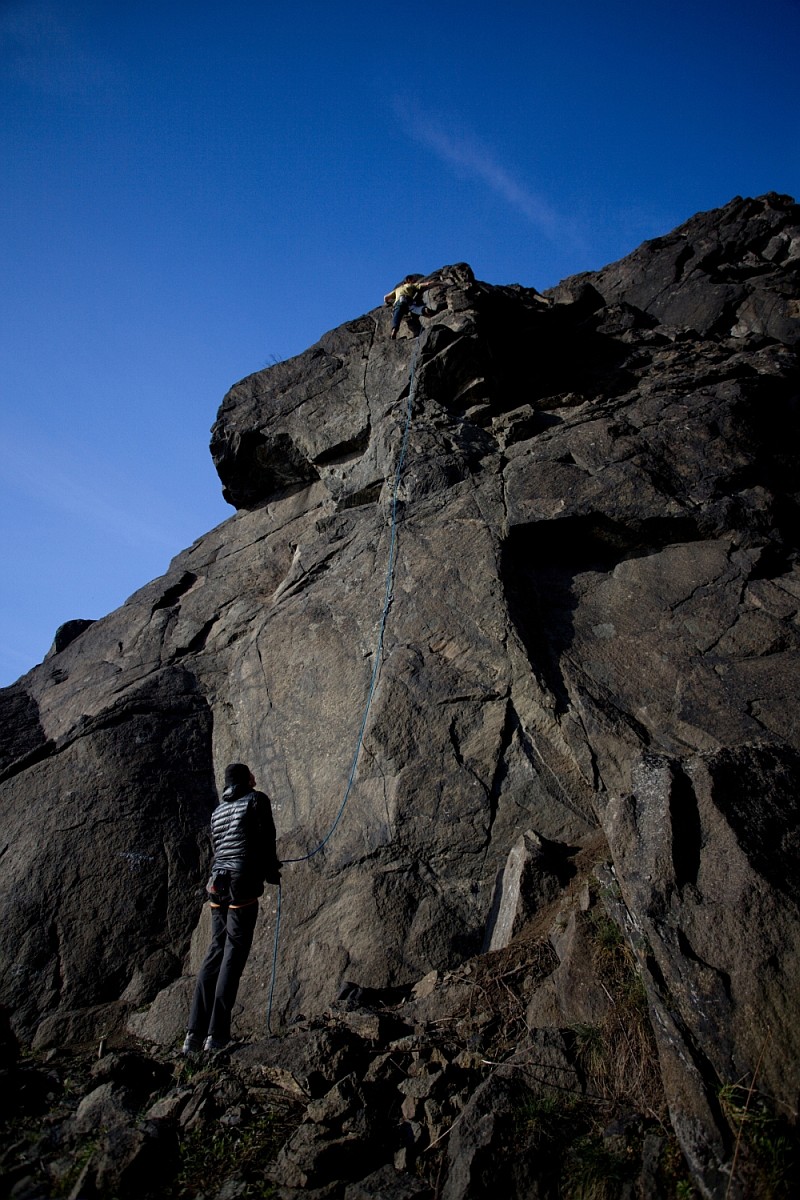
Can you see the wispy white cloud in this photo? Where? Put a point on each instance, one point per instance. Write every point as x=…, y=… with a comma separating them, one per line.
x=470, y=157
x=38, y=49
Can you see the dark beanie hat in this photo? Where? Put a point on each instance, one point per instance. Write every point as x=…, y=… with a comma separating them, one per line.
x=237, y=774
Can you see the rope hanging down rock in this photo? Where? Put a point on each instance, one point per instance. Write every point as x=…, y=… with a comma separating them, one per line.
x=387, y=600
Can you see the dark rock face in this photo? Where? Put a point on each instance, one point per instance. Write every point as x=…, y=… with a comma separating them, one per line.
x=735, y=275
x=98, y=832
x=593, y=635
x=67, y=633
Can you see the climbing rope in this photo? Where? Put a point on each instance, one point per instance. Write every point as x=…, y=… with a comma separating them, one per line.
x=387, y=600
x=274, y=959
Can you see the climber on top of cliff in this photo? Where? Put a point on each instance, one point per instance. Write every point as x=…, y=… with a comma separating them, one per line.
x=245, y=857
x=407, y=300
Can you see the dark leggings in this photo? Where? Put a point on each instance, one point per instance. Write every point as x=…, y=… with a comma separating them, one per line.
x=218, y=981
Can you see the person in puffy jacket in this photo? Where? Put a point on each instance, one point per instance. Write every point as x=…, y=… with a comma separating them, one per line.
x=245, y=857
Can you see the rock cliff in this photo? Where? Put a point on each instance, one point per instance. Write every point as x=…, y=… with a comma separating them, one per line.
x=587, y=693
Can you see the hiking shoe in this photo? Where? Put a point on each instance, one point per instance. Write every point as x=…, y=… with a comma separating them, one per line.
x=193, y=1044
x=211, y=1044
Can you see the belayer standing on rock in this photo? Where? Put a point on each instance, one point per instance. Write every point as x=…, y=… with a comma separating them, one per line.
x=407, y=300
x=245, y=857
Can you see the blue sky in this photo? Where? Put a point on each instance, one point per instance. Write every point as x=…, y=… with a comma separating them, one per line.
x=189, y=190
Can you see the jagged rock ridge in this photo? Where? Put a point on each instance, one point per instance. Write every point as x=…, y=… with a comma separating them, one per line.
x=593, y=640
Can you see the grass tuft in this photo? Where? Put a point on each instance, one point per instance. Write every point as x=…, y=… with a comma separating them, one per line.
x=768, y=1164
x=619, y=1055
x=209, y=1158
x=595, y=1171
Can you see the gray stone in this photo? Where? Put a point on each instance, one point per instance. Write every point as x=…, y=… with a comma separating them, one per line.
x=164, y=1021
x=331, y=1191
x=527, y=881
x=425, y=987
x=170, y=1107
x=76, y=950
x=105, y=1107
x=335, y=1105
x=137, y=1072
x=156, y=972
x=131, y=1159
x=485, y=1154
x=713, y=1003
x=66, y=633
x=199, y=1107
x=232, y=1189
x=314, y=1156
x=593, y=631
x=420, y=1086
x=703, y=273
x=29, y=1188
x=81, y=1025
x=308, y=1062
x=388, y=1184
x=573, y=994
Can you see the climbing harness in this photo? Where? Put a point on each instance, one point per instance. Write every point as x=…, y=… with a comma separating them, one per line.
x=387, y=600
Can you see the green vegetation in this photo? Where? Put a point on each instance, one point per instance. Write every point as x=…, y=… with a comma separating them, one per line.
x=672, y=1172
x=618, y=1061
x=590, y=1047
x=568, y=1133
x=209, y=1158
x=588, y=1144
x=541, y=1121
x=80, y=1157
x=766, y=1160
x=595, y=1171
x=619, y=1054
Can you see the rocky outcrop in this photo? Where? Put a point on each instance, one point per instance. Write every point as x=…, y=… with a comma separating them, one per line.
x=592, y=635
x=359, y=1102
x=734, y=275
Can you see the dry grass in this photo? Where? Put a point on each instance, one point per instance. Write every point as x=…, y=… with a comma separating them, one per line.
x=503, y=982
x=619, y=1055
x=766, y=1161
